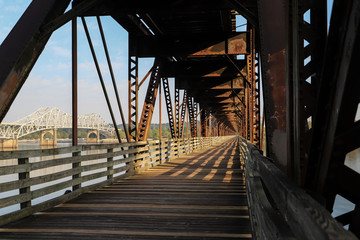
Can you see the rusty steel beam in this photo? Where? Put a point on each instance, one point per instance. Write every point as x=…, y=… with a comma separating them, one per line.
x=257, y=124
x=74, y=81
x=273, y=41
x=169, y=108
x=193, y=45
x=304, y=67
x=207, y=68
x=183, y=112
x=203, y=123
x=250, y=64
x=149, y=103
x=133, y=88
x=337, y=106
x=191, y=115
x=22, y=47
x=195, y=116
x=177, y=112
x=209, y=84
x=78, y=8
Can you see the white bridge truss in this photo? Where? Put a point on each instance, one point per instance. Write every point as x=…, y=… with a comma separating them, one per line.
x=52, y=118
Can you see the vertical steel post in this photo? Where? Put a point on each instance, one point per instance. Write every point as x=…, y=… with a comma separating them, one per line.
x=160, y=113
x=177, y=112
x=74, y=81
x=160, y=138
x=132, y=95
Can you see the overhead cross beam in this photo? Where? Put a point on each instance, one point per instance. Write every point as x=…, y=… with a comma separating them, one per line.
x=192, y=45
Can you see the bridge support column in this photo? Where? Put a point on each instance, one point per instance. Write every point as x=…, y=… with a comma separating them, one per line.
x=93, y=140
x=48, y=142
x=9, y=144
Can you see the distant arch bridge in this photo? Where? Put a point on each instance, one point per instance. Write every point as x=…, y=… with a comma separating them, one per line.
x=47, y=118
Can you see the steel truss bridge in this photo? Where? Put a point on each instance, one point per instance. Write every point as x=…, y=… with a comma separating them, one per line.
x=52, y=118
x=304, y=68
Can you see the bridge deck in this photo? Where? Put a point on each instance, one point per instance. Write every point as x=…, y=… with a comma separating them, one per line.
x=200, y=196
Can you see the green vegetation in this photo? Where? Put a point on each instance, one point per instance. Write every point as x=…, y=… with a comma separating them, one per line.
x=66, y=133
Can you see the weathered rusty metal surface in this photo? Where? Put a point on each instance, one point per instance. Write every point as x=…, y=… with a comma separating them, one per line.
x=336, y=127
x=273, y=36
x=22, y=47
x=194, y=45
x=208, y=67
x=210, y=84
x=133, y=86
x=169, y=108
x=149, y=103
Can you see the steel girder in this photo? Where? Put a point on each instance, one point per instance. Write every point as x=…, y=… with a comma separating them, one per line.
x=190, y=106
x=149, y=103
x=169, y=108
x=183, y=111
x=272, y=34
x=336, y=125
x=23, y=46
x=133, y=97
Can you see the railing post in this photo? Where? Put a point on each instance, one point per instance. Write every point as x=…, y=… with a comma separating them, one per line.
x=160, y=156
x=78, y=175
x=178, y=147
x=23, y=176
x=168, y=149
x=131, y=164
x=110, y=168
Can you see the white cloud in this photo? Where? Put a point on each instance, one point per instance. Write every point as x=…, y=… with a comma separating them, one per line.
x=58, y=66
x=63, y=52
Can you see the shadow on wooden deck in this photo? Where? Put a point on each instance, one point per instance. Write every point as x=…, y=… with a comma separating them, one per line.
x=200, y=196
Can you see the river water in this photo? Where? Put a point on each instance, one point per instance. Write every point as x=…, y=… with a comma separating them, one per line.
x=45, y=171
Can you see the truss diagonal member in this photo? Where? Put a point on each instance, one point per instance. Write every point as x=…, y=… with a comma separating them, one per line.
x=177, y=111
x=100, y=77
x=112, y=77
x=149, y=103
x=22, y=47
x=183, y=111
x=191, y=116
x=169, y=109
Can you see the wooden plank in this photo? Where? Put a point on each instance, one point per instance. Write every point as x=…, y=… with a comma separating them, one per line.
x=145, y=160
x=7, y=186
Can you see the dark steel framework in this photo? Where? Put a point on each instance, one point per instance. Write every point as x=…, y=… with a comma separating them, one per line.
x=308, y=77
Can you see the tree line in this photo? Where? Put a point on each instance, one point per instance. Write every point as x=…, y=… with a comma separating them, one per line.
x=66, y=133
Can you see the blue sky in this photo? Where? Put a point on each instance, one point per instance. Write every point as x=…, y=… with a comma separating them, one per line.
x=49, y=83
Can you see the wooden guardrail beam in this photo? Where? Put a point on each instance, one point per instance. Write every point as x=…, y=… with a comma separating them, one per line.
x=73, y=166
x=279, y=208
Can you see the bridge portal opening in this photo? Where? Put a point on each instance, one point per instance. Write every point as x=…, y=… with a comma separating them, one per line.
x=93, y=136
x=48, y=136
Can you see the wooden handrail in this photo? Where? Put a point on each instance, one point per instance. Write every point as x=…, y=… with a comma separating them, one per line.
x=79, y=169
x=280, y=209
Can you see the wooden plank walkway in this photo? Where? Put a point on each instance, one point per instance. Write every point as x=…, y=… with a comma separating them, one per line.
x=200, y=196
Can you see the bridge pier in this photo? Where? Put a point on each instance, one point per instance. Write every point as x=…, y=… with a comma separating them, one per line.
x=93, y=140
x=9, y=144
x=48, y=142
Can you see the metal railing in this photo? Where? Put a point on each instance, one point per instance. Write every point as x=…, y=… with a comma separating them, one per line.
x=35, y=180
